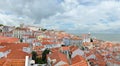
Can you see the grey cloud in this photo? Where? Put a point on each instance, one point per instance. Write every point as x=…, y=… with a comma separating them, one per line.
x=100, y=15
x=34, y=9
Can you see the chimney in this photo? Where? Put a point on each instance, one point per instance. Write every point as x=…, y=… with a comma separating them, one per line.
x=26, y=61
x=68, y=57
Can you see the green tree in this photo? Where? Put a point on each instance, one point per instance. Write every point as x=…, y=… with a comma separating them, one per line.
x=91, y=40
x=17, y=28
x=43, y=29
x=1, y=25
x=82, y=48
x=0, y=30
x=21, y=40
x=44, y=54
x=39, y=29
x=34, y=55
x=39, y=61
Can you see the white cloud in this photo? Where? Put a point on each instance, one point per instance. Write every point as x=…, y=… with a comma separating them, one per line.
x=77, y=15
x=14, y=20
x=34, y=9
x=102, y=16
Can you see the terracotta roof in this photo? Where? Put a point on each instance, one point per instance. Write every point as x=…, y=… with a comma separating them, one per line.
x=23, y=29
x=38, y=48
x=88, y=54
x=4, y=49
x=31, y=37
x=17, y=54
x=114, y=61
x=99, y=56
x=14, y=62
x=36, y=40
x=2, y=61
x=16, y=50
x=55, y=49
x=79, y=61
x=73, y=48
x=49, y=42
x=8, y=39
x=87, y=43
x=47, y=39
x=98, y=62
x=76, y=38
x=58, y=56
x=16, y=57
x=65, y=48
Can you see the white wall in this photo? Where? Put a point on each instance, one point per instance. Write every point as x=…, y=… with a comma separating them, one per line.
x=1, y=54
x=77, y=52
x=60, y=63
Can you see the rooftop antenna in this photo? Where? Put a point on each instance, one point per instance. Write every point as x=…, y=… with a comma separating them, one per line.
x=89, y=33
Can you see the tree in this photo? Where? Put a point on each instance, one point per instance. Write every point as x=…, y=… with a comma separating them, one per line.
x=82, y=48
x=39, y=61
x=21, y=40
x=34, y=55
x=17, y=28
x=0, y=30
x=1, y=25
x=39, y=29
x=43, y=29
x=91, y=40
x=44, y=54
x=62, y=45
x=92, y=64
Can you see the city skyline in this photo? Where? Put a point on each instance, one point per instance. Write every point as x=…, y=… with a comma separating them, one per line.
x=69, y=15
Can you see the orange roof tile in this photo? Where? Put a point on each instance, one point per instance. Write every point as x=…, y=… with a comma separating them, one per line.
x=99, y=56
x=4, y=49
x=79, y=61
x=73, y=48
x=76, y=38
x=8, y=39
x=58, y=56
x=17, y=54
x=49, y=42
x=65, y=48
x=14, y=62
x=37, y=48
x=16, y=50
x=114, y=61
x=2, y=61
x=55, y=49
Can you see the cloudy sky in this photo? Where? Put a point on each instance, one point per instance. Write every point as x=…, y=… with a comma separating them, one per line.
x=70, y=15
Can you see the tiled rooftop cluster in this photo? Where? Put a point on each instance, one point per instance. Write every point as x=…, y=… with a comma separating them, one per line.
x=65, y=49
x=103, y=53
x=11, y=52
x=67, y=56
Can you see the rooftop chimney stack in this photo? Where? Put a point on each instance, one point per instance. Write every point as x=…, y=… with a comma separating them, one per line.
x=26, y=61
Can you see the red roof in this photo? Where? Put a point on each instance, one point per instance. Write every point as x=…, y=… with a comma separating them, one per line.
x=12, y=62
x=4, y=49
x=48, y=42
x=65, y=48
x=16, y=57
x=58, y=56
x=8, y=39
x=37, y=48
x=17, y=54
x=73, y=48
x=79, y=61
x=16, y=50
